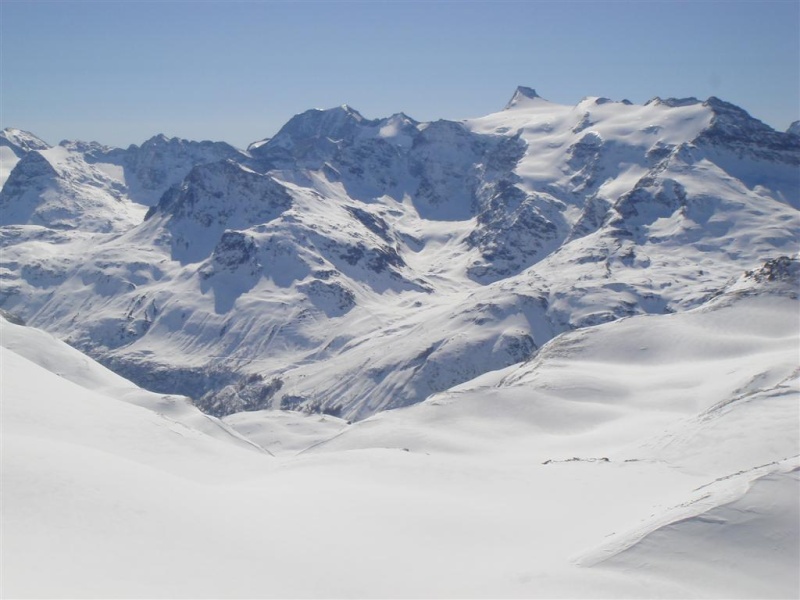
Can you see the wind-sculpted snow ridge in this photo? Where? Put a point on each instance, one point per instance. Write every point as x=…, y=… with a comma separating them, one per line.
x=349, y=265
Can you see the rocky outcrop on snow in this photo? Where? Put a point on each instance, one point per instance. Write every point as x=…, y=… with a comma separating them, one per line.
x=733, y=128
x=21, y=142
x=195, y=217
x=521, y=95
x=14, y=144
x=161, y=162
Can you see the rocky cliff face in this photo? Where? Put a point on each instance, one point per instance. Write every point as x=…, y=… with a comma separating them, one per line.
x=161, y=162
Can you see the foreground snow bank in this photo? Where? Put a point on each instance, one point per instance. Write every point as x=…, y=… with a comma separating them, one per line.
x=651, y=457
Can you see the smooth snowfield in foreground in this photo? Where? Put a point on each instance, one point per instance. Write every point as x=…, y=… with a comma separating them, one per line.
x=656, y=456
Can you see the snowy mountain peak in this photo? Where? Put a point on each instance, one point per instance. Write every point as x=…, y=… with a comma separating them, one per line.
x=23, y=141
x=794, y=128
x=595, y=100
x=726, y=108
x=333, y=123
x=61, y=190
x=673, y=102
x=521, y=96
x=85, y=147
x=401, y=116
x=352, y=112
x=34, y=164
x=14, y=145
x=163, y=140
x=735, y=116
x=313, y=135
x=733, y=127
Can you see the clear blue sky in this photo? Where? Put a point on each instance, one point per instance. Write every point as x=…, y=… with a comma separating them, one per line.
x=119, y=72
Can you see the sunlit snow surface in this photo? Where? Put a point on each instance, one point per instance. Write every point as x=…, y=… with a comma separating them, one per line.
x=350, y=265
x=550, y=352
x=656, y=456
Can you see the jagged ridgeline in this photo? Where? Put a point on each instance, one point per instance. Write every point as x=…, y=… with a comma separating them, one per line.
x=349, y=265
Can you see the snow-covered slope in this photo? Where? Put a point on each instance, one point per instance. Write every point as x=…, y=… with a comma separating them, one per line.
x=61, y=360
x=58, y=189
x=162, y=162
x=655, y=456
x=704, y=403
x=754, y=535
x=91, y=187
x=682, y=374
x=14, y=144
x=348, y=265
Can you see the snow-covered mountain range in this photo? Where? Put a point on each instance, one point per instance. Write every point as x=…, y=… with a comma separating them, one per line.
x=586, y=318
x=349, y=265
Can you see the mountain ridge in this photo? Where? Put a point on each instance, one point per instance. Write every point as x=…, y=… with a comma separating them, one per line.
x=349, y=265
